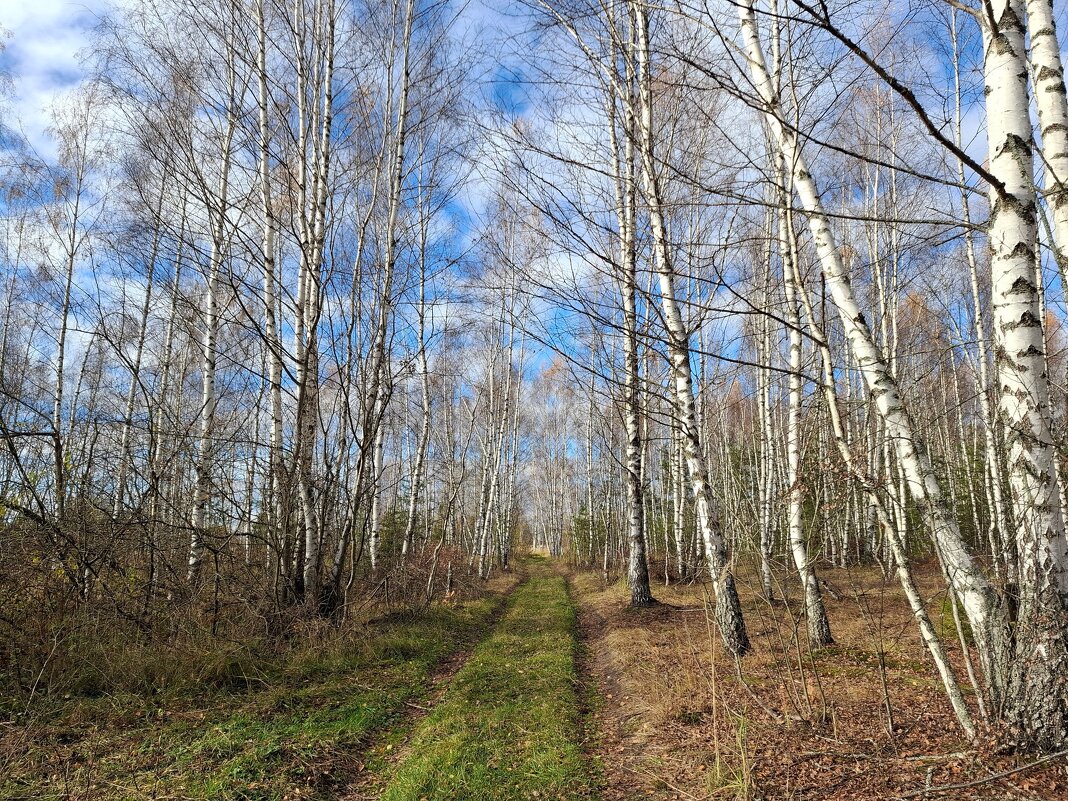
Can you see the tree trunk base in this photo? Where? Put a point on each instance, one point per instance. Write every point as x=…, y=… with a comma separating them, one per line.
x=729, y=618
x=1036, y=706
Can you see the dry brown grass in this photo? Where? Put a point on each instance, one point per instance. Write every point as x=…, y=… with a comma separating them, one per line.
x=863, y=718
x=113, y=715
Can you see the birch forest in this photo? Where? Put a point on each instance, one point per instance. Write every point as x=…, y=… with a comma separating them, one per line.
x=547, y=399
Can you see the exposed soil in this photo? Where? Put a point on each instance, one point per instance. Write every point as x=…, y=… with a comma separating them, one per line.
x=832, y=724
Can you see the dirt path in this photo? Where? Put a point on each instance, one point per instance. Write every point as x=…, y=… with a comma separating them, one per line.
x=506, y=724
x=619, y=738
x=391, y=745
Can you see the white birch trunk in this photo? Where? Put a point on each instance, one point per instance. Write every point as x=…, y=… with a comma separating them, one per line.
x=1037, y=702
x=979, y=599
x=728, y=611
x=274, y=504
x=379, y=368
x=627, y=281
x=912, y=593
x=314, y=251
x=819, y=628
x=209, y=348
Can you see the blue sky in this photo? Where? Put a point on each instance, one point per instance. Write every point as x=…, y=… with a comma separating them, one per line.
x=41, y=55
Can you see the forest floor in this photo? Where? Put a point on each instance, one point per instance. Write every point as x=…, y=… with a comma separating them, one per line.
x=549, y=687
x=300, y=727
x=863, y=718
x=475, y=700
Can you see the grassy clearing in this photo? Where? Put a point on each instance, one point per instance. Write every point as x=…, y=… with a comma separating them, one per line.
x=508, y=726
x=296, y=731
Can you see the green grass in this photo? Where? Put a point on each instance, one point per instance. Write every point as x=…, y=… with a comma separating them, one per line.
x=297, y=732
x=508, y=726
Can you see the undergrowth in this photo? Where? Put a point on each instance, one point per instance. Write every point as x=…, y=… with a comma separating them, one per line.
x=247, y=725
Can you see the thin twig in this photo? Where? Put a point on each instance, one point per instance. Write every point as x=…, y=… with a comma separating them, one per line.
x=993, y=778
x=654, y=777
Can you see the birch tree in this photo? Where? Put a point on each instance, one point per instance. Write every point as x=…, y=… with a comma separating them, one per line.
x=728, y=607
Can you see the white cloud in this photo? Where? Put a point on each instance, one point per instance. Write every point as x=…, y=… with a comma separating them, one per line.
x=42, y=56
